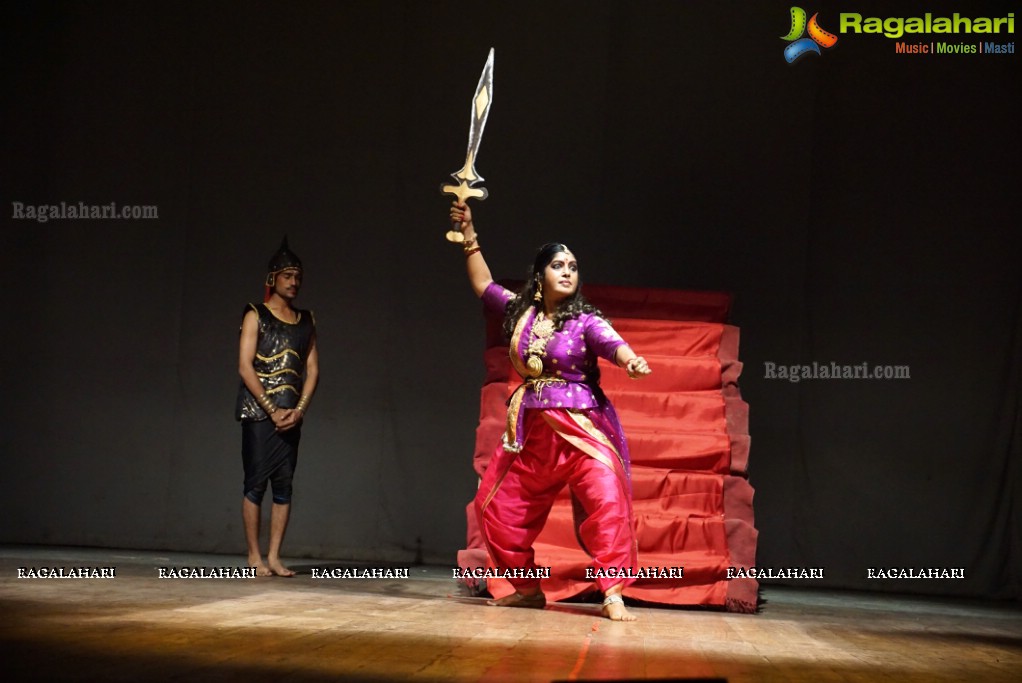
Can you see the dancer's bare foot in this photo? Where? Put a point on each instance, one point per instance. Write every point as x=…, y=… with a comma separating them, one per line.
x=614, y=608
x=257, y=563
x=279, y=569
x=532, y=600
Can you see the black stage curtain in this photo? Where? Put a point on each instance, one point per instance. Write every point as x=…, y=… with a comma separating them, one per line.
x=860, y=204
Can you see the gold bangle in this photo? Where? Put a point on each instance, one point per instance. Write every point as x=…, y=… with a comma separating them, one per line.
x=469, y=252
x=267, y=405
x=303, y=404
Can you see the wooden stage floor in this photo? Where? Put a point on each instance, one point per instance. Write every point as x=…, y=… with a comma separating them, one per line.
x=138, y=627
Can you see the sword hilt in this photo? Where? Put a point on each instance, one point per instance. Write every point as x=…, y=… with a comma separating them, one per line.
x=463, y=191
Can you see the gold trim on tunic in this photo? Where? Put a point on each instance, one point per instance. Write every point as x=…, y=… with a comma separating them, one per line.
x=279, y=355
x=279, y=372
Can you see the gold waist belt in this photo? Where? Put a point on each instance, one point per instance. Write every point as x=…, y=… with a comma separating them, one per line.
x=512, y=433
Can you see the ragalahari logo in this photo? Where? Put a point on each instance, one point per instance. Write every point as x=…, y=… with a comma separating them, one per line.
x=817, y=36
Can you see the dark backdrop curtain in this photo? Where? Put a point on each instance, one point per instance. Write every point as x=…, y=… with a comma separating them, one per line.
x=860, y=205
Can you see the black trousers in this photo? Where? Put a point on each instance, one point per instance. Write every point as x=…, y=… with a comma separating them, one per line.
x=269, y=457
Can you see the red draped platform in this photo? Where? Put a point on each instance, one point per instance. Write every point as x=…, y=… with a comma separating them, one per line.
x=687, y=429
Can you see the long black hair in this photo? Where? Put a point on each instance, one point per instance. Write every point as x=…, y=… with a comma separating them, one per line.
x=571, y=307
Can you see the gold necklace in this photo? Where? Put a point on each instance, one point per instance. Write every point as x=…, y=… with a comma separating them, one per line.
x=542, y=330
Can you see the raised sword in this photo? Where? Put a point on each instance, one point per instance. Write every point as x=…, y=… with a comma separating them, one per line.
x=467, y=178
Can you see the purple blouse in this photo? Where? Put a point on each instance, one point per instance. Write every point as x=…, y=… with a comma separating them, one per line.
x=571, y=355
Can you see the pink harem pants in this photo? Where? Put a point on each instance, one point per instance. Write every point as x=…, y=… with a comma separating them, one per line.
x=518, y=490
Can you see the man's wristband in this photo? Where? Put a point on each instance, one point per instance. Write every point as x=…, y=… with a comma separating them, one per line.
x=266, y=403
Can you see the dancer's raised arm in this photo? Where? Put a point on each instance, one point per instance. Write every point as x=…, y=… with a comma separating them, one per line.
x=478, y=272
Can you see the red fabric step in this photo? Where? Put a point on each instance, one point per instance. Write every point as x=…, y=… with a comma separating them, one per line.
x=670, y=374
x=686, y=407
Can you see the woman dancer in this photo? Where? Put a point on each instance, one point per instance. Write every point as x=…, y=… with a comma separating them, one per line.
x=561, y=429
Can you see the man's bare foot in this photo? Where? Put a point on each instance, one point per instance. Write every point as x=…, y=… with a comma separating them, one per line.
x=279, y=569
x=614, y=608
x=257, y=563
x=532, y=601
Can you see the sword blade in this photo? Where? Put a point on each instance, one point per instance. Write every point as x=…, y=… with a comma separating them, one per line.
x=468, y=177
x=481, y=102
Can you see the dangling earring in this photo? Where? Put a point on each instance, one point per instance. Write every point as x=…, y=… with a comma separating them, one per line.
x=538, y=296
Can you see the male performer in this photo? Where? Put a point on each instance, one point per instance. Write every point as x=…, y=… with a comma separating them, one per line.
x=279, y=368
